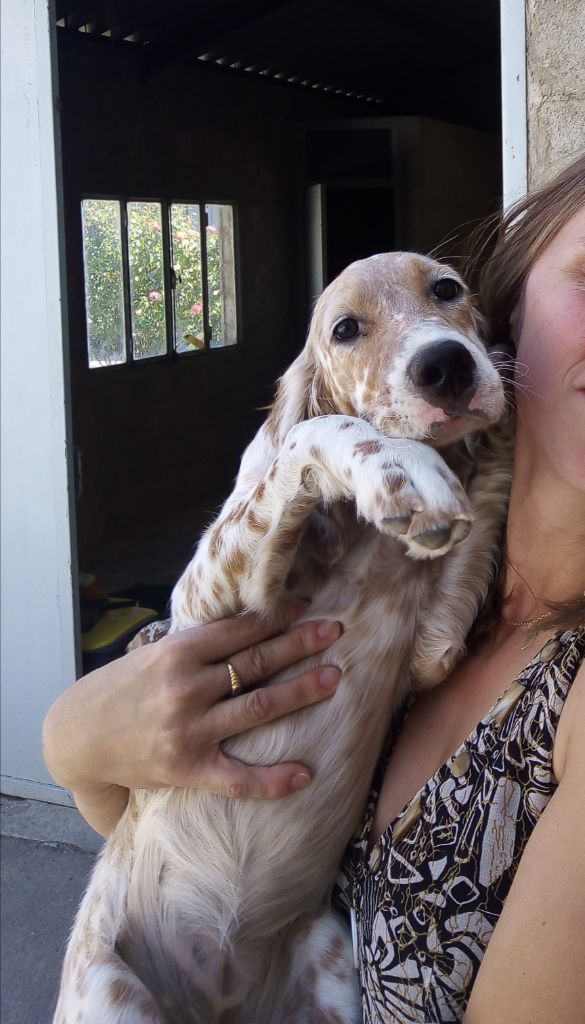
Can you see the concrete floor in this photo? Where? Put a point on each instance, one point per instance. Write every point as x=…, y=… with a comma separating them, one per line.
x=47, y=855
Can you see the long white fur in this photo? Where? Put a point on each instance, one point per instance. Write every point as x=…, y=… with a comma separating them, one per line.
x=204, y=909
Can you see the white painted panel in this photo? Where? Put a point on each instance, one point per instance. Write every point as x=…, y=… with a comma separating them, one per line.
x=514, y=114
x=316, y=239
x=38, y=618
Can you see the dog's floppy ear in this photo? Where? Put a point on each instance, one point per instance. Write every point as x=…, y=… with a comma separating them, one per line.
x=301, y=393
x=292, y=400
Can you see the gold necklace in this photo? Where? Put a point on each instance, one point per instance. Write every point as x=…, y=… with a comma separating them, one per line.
x=527, y=622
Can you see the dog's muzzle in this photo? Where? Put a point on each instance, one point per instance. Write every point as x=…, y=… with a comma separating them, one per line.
x=444, y=373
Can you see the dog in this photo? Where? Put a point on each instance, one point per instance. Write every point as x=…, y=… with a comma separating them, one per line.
x=359, y=494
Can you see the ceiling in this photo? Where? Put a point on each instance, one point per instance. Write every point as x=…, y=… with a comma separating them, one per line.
x=430, y=57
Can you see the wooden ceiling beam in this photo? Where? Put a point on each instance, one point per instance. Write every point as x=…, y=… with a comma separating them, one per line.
x=98, y=15
x=198, y=35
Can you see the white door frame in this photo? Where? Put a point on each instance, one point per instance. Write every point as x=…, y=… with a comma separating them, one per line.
x=40, y=655
x=39, y=646
x=514, y=106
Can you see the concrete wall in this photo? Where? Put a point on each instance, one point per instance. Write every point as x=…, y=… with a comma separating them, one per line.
x=555, y=36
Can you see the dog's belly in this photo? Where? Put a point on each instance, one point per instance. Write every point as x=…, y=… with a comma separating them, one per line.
x=214, y=889
x=238, y=872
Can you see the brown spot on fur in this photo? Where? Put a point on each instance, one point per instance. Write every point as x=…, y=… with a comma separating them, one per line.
x=121, y=992
x=260, y=491
x=292, y=445
x=217, y=591
x=236, y=514
x=256, y=523
x=190, y=594
x=332, y=954
x=234, y=568
x=149, y=1011
x=365, y=448
x=215, y=541
x=314, y=452
x=395, y=480
x=273, y=470
x=345, y=426
x=308, y=479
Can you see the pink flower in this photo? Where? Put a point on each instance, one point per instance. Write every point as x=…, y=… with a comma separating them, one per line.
x=155, y=296
x=212, y=229
x=196, y=308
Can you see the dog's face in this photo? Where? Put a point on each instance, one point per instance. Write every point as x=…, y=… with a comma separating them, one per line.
x=394, y=339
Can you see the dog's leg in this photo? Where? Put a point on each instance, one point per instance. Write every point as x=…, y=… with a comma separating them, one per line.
x=468, y=570
x=97, y=987
x=322, y=983
x=403, y=488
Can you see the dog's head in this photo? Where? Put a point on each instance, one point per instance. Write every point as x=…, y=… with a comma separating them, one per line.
x=394, y=340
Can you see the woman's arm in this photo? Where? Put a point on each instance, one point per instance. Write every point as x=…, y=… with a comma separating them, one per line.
x=157, y=716
x=532, y=972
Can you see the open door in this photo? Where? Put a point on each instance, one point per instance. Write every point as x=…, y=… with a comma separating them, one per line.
x=38, y=619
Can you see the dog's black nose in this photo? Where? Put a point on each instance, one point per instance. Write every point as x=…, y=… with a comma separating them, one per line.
x=444, y=373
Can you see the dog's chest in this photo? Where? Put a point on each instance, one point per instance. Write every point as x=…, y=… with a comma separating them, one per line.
x=373, y=588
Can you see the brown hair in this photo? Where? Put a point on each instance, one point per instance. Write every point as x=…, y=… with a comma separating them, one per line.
x=521, y=236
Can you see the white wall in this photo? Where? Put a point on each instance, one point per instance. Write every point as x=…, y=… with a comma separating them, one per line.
x=38, y=617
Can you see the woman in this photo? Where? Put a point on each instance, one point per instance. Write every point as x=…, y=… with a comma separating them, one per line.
x=492, y=848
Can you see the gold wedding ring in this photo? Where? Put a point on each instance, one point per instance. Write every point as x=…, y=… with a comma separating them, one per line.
x=235, y=681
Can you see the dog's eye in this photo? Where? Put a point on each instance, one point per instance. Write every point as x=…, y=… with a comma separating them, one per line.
x=347, y=329
x=446, y=289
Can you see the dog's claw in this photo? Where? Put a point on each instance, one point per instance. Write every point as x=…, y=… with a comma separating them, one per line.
x=397, y=524
x=435, y=538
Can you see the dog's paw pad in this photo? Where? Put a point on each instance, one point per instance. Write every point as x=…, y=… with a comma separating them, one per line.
x=398, y=525
x=433, y=539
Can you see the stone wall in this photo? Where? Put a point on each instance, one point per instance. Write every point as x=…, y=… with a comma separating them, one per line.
x=555, y=35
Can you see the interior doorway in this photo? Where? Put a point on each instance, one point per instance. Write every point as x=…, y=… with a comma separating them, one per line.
x=328, y=130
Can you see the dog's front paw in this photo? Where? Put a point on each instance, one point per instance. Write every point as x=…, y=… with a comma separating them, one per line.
x=409, y=492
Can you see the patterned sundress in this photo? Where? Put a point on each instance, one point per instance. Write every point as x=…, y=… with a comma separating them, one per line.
x=426, y=898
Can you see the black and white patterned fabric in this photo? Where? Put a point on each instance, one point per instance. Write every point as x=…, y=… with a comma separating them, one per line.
x=430, y=892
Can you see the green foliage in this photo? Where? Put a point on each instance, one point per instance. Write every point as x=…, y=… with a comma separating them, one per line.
x=104, y=289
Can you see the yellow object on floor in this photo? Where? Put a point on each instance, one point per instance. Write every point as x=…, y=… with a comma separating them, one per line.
x=115, y=625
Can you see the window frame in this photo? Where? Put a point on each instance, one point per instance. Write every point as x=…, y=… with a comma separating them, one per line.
x=171, y=355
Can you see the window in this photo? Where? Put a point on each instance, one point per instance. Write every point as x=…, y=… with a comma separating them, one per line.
x=159, y=279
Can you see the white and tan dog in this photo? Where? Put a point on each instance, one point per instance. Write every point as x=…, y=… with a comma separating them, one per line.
x=205, y=909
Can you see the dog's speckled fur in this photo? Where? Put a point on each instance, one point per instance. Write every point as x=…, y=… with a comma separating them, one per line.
x=205, y=909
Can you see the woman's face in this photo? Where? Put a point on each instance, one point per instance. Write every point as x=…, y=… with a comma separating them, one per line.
x=549, y=329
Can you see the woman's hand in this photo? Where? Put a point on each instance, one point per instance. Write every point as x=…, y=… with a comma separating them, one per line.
x=157, y=716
